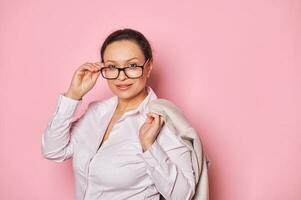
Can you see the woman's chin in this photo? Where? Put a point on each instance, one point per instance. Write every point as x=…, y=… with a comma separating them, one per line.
x=124, y=94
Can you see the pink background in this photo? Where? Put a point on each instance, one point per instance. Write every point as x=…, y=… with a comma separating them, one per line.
x=232, y=66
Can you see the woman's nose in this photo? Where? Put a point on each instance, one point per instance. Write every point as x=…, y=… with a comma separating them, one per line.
x=122, y=76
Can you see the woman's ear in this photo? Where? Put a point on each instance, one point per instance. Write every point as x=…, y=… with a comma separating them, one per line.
x=150, y=67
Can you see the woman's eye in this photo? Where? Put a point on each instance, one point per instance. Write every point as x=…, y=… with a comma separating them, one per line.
x=133, y=65
x=112, y=67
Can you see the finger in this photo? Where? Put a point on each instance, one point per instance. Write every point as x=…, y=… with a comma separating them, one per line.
x=149, y=118
x=86, y=67
x=156, y=119
x=152, y=115
x=98, y=65
x=101, y=64
x=95, y=76
x=93, y=66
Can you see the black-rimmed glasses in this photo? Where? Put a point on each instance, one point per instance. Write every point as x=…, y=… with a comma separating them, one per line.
x=131, y=71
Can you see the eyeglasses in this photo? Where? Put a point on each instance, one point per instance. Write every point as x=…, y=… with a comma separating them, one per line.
x=131, y=71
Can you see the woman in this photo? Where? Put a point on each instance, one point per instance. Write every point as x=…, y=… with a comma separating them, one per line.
x=116, y=146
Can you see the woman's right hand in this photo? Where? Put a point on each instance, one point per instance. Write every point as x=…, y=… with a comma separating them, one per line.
x=84, y=79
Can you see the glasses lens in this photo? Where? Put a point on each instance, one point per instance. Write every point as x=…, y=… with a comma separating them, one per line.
x=110, y=72
x=133, y=72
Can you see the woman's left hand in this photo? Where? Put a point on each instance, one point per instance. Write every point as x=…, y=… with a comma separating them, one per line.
x=150, y=130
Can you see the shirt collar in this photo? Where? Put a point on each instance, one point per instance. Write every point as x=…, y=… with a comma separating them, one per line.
x=142, y=108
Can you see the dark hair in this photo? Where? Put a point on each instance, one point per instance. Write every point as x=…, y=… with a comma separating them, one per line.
x=128, y=34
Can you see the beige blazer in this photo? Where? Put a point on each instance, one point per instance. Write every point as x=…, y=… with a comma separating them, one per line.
x=175, y=119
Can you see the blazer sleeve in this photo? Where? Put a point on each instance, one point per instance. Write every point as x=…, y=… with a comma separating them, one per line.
x=57, y=143
x=171, y=170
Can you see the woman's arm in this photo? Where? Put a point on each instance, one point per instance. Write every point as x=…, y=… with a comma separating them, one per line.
x=57, y=143
x=171, y=170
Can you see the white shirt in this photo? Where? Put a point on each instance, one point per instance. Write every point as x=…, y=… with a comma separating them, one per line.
x=119, y=169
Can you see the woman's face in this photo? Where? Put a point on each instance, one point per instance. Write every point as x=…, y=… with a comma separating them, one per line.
x=122, y=54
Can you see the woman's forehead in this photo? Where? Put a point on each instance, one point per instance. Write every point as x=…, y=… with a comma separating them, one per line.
x=126, y=60
x=124, y=50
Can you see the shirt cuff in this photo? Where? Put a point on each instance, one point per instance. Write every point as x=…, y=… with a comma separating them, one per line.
x=154, y=155
x=67, y=106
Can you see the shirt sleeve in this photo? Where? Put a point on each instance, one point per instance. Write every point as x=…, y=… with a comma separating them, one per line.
x=171, y=171
x=57, y=143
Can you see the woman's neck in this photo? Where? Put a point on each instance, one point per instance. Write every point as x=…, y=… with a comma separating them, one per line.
x=125, y=105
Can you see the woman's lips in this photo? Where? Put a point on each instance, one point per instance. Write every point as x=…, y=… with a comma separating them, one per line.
x=123, y=86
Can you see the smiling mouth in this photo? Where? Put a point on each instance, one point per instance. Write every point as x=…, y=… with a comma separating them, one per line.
x=124, y=87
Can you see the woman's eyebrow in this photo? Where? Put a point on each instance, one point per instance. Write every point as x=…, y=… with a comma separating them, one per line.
x=126, y=60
